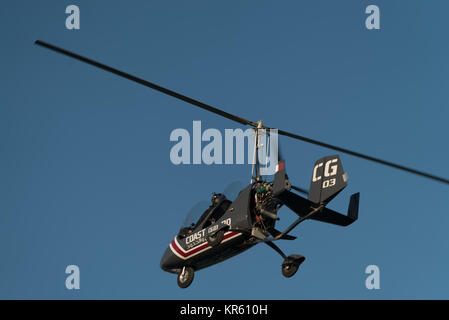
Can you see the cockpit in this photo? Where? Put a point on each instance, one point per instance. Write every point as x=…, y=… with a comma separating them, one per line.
x=218, y=206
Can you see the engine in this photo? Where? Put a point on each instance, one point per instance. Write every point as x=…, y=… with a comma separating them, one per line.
x=265, y=205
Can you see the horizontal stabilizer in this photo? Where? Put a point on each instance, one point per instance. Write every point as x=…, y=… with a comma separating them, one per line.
x=331, y=216
x=302, y=207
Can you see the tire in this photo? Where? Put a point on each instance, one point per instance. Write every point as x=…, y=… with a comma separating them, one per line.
x=185, y=280
x=289, y=269
x=291, y=265
x=216, y=239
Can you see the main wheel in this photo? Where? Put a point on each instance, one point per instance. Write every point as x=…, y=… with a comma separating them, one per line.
x=289, y=269
x=215, y=239
x=185, y=278
x=291, y=265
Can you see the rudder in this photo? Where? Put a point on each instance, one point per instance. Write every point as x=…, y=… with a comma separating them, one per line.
x=328, y=179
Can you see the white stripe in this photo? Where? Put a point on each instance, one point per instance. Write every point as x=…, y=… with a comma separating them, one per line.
x=187, y=251
x=201, y=251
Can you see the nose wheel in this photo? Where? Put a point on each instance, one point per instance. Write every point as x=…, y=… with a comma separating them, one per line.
x=185, y=278
x=291, y=265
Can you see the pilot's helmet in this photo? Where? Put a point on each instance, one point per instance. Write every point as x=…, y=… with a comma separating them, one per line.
x=216, y=197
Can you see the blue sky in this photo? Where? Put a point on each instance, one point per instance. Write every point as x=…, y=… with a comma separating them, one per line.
x=85, y=168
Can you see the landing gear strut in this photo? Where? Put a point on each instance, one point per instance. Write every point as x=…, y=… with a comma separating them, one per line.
x=185, y=278
x=291, y=263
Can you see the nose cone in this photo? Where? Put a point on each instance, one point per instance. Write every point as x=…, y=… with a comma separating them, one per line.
x=170, y=262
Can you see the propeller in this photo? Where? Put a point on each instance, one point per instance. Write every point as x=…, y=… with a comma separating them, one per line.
x=195, y=212
x=232, y=190
x=234, y=117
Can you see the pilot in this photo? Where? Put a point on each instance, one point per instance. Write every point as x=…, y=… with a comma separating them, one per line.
x=216, y=197
x=184, y=232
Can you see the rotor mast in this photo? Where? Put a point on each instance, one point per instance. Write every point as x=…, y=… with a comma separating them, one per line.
x=255, y=170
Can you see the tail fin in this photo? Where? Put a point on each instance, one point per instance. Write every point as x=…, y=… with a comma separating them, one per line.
x=328, y=179
x=280, y=180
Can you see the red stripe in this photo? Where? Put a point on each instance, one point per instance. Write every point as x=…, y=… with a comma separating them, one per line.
x=281, y=165
x=199, y=248
x=229, y=235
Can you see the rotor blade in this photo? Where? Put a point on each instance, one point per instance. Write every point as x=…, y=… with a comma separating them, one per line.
x=228, y=115
x=147, y=84
x=363, y=156
x=301, y=190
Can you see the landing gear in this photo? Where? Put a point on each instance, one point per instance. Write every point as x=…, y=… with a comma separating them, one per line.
x=185, y=278
x=215, y=239
x=291, y=265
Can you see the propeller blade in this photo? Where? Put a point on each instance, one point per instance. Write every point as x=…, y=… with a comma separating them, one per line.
x=363, y=156
x=233, y=189
x=147, y=84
